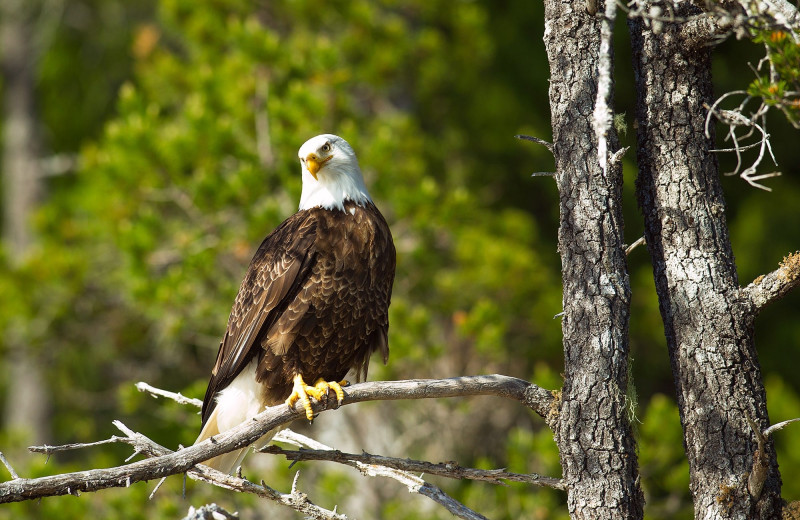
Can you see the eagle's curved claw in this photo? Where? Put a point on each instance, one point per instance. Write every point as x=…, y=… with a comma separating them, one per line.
x=320, y=390
x=322, y=387
x=300, y=390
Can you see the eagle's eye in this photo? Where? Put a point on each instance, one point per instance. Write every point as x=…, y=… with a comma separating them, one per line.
x=326, y=147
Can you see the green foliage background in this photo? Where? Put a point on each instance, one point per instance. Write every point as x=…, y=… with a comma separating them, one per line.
x=186, y=117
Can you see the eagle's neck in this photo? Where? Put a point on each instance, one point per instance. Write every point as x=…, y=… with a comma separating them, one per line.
x=331, y=189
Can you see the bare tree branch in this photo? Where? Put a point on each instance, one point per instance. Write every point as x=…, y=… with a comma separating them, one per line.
x=760, y=469
x=177, y=397
x=417, y=485
x=295, y=500
x=412, y=482
x=736, y=118
x=779, y=426
x=291, y=437
x=536, y=140
x=639, y=241
x=768, y=288
x=534, y=397
x=8, y=466
x=170, y=463
x=442, y=469
x=49, y=450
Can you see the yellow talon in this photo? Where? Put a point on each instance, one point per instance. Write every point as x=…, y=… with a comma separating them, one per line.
x=322, y=388
x=301, y=391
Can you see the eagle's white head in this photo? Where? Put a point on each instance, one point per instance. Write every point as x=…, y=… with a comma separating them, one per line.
x=330, y=174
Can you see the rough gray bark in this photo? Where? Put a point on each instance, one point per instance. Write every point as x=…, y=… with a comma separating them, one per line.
x=708, y=319
x=27, y=402
x=597, y=449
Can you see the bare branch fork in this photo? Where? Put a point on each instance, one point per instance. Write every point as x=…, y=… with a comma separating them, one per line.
x=734, y=119
x=165, y=463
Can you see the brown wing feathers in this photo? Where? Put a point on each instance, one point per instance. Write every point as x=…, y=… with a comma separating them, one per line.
x=275, y=271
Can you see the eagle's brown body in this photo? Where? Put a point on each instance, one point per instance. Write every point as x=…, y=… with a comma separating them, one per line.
x=314, y=302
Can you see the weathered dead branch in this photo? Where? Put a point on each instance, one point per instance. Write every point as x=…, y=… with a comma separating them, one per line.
x=773, y=286
x=164, y=462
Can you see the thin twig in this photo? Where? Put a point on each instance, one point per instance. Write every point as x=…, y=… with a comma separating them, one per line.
x=417, y=485
x=296, y=499
x=779, y=426
x=178, y=397
x=155, y=489
x=8, y=466
x=49, y=450
x=717, y=23
x=536, y=140
x=639, y=241
x=735, y=119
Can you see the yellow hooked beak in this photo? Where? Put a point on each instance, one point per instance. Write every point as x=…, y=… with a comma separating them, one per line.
x=313, y=163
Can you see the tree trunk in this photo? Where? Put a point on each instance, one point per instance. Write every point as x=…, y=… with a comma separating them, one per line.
x=27, y=400
x=708, y=323
x=597, y=449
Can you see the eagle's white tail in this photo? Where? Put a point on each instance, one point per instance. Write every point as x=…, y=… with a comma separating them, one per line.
x=237, y=403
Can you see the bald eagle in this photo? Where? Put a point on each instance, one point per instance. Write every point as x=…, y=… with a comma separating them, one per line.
x=313, y=304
